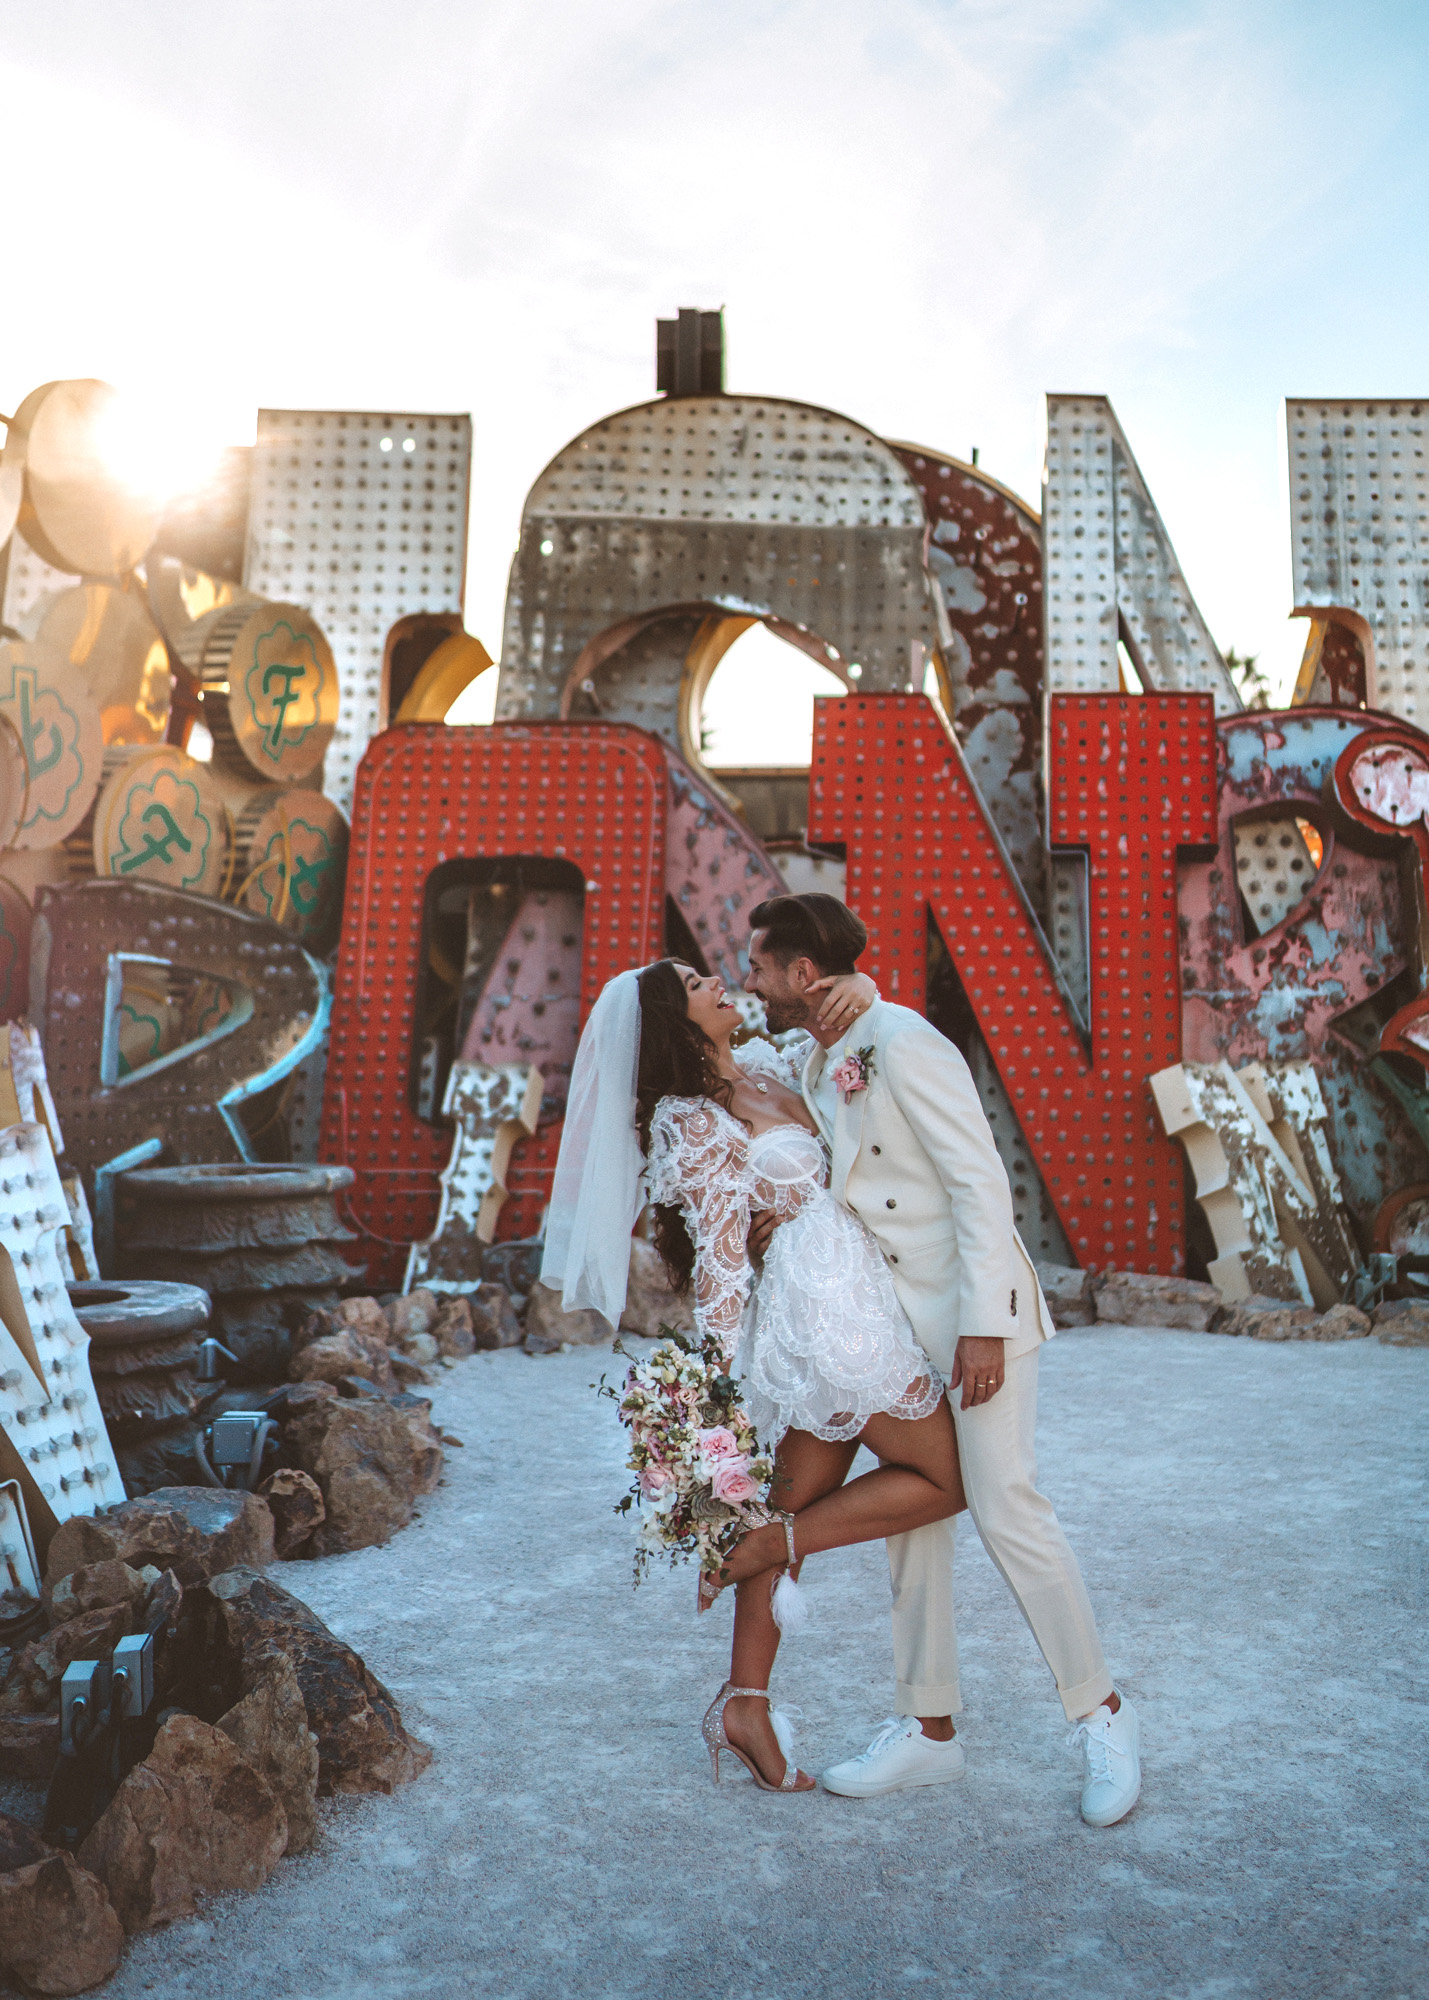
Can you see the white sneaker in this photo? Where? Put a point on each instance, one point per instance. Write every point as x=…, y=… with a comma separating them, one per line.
x=899, y=1757
x=1111, y=1764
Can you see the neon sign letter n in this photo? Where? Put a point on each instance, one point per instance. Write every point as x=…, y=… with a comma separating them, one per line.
x=1132, y=780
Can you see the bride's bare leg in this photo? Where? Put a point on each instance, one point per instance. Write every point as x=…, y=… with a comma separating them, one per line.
x=917, y=1481
x=806, y=1467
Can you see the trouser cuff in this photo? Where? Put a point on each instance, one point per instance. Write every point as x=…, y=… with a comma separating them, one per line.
x=1081, y=1700
x=911, y=1699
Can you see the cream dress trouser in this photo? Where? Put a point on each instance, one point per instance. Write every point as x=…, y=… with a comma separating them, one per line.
x=997, y=1447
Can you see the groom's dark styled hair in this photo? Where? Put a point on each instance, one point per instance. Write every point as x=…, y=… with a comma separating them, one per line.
x=813, y=926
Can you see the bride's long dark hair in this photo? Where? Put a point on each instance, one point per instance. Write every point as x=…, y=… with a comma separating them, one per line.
x=677, y=1059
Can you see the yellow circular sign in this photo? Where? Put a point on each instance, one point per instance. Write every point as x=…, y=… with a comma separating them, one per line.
x=55, y=717
x=297, y=863
x=77, y=511
x=160, y=818
x=108, y=635
x=270, y=695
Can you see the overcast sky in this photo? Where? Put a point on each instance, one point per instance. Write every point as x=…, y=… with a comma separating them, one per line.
x=925, y=213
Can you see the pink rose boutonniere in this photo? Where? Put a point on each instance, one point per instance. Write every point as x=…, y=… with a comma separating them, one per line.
x=852, y=1074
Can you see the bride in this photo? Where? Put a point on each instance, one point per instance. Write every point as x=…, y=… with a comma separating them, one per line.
x=662, y=1109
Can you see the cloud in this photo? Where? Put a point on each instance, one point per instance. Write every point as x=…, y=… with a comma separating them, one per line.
x=925, y=214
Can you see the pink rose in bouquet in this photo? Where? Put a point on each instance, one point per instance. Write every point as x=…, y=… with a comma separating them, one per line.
x=654, y=1479
x=732, y=1482
x=718, y=1442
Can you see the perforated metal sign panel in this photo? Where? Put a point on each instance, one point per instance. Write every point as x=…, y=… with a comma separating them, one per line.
x=1359, y=512
x=593, y=794
x=30, y=585
x=1131, y=780
x=1110, y=567
x=361, y=517
x=750, y=505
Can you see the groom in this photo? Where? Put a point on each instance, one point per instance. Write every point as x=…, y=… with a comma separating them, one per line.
x=913, y=1157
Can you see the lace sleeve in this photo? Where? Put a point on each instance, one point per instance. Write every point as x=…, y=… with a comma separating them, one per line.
x=699, y=1161
x=786, y=1064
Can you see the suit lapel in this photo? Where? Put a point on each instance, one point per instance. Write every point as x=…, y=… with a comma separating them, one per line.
x=813, y=1070
x=848, y=1121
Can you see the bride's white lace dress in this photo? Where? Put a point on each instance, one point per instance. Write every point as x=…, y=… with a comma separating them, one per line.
x=824, y=1344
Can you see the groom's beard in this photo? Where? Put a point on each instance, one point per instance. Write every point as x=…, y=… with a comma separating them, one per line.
x=786, y=1010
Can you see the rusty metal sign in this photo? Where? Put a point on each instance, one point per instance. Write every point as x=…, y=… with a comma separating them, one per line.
x=491, y=1109
x=56, y=722
x=77, y=512
x=270, y=692
x=296, y=860
x=160, y=818
x=107, y=635
x=92, y=939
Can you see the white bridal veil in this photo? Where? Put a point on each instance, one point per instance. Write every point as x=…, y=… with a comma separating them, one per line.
x=598, y=1193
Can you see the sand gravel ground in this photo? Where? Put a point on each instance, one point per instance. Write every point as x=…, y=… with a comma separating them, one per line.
x=1251, y=1520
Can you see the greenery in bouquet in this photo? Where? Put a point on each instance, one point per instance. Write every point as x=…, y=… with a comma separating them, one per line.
x=701, y=1476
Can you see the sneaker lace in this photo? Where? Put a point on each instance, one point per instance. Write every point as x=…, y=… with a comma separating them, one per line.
x=1094, y=1736
x=895, y=1726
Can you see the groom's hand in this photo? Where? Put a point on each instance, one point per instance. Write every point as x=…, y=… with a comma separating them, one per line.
x=980, y=1365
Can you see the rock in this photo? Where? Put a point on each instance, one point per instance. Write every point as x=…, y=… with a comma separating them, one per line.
x=1402, y=1322
x=304, y=1396
x=296, y=1502
x=1068, y=1293
x=29, y=1745
x=423, y=1349
x=20, y=1844
x=408, y=1374
x=1263, y=1318
x=453, y=1330
x=493, y=1318
x=193, y=1819
x=362, y=1746
x=412, y=1315
x=270, y=1726
x=549, y=1327
x=427, y=1454
x=649, y=1302
x=346, y=1352
x=58, y=1930
x=366, y=1458
x=194, y=1530
x=1342, y=1322
x=363, y=1316
x=90, y=1587
x=1132, y=1298
x=34, y=1676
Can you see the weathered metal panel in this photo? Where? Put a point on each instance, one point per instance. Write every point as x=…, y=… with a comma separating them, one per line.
x=1110, y=568
x=1359, y=512
x=715, y=872
x=985, y=558
x=750, y=505
x=1276, y=997
x=360, y=516
x=491, y=1109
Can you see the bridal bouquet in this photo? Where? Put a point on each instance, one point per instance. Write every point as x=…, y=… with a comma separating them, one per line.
x=701, y=1474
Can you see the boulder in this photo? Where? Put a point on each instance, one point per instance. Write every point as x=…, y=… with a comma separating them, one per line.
x=549, y=1327
x=29, y=1745
x=413, y=1314
x=362, y=1746
x=92, y=1586
x=194, y=1530
x=346, y=1352
x=1403, y=1322
x=363, y=1316
x=650, y=1304
x=407, y=1374
x=423, y=1349
x=296, y=1503
x=194, y=1819
x=1290, y=1323
x=1133, y=1298
x=35, y=1673
x=368, y=1460
x=1240, y=1317
x=493, y=1317
x=58, y=1929
x=20, y=1844
x=453, y=1330
x=270, y=1726
x=1342, y=1322
x=1068, y=1293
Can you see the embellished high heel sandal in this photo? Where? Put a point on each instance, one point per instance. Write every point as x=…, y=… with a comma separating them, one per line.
x=712, y=1729
x=786, y=1600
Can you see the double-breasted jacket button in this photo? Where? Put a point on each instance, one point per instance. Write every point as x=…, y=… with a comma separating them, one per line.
x=890, y=1203
x=878, y=1149
x=893, y=1256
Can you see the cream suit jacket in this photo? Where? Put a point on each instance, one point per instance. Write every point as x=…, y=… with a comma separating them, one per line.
x=913, y=1158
